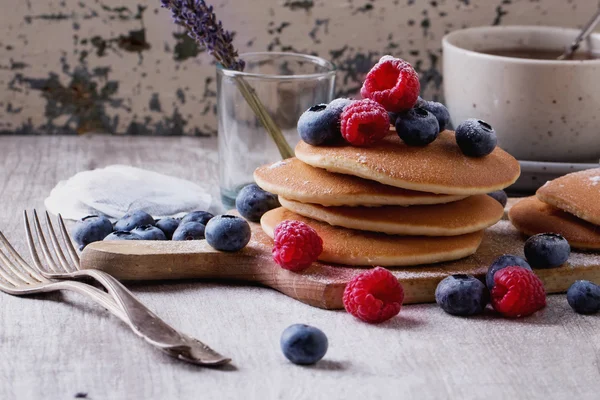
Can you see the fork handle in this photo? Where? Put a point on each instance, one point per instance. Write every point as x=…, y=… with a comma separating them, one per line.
x=148, y=325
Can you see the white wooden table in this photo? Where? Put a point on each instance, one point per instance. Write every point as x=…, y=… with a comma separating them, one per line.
x=60, y=346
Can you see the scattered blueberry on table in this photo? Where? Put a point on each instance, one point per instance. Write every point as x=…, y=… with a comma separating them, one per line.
x=197, y=216
x=462, y=294
x=500, y=196
x=123, y=235
x=547, y=250
x=252, y=202
x=227, y=233
x=476, y=138
x=92, y=228
x=189, y=231
x=584, y=297
x=320, y=124
x=506, y=260
x=303, y=344
x=133, y=220
x=149, y=232
x=168, y=226
x=417, y=127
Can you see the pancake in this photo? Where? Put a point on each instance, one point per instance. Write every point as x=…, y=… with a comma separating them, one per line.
x=457, y=218
x=350, y=247
x=298, y=181
x=577, y=193
x=439, y=167
x=531, y=216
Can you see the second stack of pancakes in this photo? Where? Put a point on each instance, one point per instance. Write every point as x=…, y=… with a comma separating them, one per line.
x=390, y=204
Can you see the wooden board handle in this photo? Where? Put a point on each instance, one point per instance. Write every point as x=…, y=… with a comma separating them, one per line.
x=166, y=260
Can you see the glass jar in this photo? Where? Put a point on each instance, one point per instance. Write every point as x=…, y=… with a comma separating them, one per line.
x=287, y=84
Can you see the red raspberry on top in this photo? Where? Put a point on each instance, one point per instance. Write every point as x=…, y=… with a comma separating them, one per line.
x=297, y=245
x=517, y=292
x=393, y=83
x=374, y=296
x=364, y=122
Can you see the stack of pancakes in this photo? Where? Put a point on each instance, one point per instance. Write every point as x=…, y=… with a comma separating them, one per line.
x=390, y=204
x=569, y=205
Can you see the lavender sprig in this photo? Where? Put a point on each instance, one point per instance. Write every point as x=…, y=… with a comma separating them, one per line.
x=202, y=25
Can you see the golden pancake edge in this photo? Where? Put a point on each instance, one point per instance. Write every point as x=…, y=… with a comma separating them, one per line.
x=469, y=215
x=532, y=216
x=439, y=167
x=358, y=248
x=577, y=193
x=298, y=181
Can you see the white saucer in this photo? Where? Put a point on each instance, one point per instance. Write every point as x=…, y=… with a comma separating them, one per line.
x=534, y=174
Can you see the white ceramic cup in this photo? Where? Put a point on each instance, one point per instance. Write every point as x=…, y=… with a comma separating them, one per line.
x=542, y=110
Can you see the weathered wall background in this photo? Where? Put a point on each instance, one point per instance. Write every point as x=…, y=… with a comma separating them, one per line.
x=121, y=66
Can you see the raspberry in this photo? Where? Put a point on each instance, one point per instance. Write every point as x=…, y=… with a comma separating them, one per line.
x=364, y=122
x=374, y=296
x=517, y=292
x=297, y=245
x=393, y=83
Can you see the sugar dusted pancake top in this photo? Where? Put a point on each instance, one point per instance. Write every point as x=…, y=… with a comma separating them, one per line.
x=351, y=247
x=296, y=180
x=531, y=216
x=439, y=167
x=577, y=193
x=457, y=218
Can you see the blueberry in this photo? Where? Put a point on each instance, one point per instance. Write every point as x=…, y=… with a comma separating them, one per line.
x=504, y=261
x=547, y=250
x=168, y=226
x=123, y=235
x=149, y=232
x=133, y=220
x=462, y=295
x=228, y=233
x=303, y=344
x=393, y=116
x=197, y=216
x=320, y=124
x=189, y=231
x=439, y=111
x=476, y=138
x=417, y=127
x=500, y=196
x=91, y=229
x=252, y=202
x=584, y=297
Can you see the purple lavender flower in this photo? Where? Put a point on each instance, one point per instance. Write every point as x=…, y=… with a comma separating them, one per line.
x=202, y=25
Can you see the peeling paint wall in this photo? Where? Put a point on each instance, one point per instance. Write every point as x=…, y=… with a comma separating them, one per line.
x=122, y=67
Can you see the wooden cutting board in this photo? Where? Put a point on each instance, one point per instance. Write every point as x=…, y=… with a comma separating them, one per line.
x=322, y=284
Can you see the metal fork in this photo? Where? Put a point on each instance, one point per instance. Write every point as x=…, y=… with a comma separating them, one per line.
x=119, y=299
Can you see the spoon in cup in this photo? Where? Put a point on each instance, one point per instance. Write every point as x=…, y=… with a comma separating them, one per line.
x=585, y=32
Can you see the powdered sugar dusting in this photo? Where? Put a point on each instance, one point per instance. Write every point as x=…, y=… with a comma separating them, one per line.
x=594, y=179
x=277, y=164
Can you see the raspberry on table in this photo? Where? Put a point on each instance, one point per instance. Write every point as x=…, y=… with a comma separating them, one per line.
x=393, y=83
x=364, y=122
x=517, y=292
x=374, y=296
x=296, y=246
x=505, y=260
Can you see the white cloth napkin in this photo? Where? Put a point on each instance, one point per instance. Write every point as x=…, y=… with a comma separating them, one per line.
x=117, y=189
